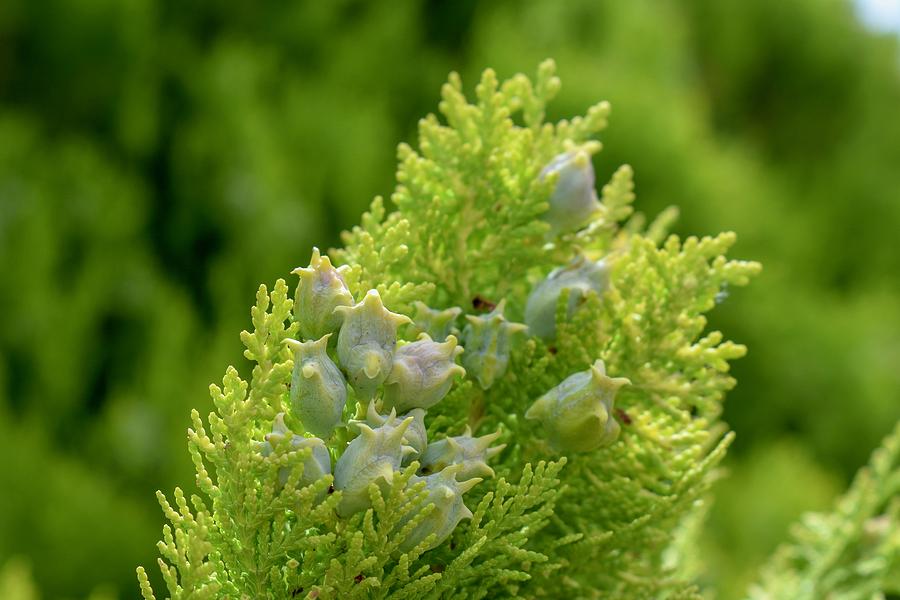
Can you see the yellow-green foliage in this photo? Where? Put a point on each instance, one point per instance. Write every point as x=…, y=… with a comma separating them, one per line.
x=156, y=164
x=616, y=520
x=616, y=516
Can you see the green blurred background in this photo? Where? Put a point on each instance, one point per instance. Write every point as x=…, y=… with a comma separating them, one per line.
x=159, y=159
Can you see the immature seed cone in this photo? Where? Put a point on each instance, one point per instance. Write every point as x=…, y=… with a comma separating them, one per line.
x=415, y=436
x=438, y=324
x=316, y=466
x=372, y=457
x=574, y=199
x=576, y=415
x=320, y=291
x=318, y=390
x=366, y=342
x=581, y=277
x=469, y=454
x=487, y=342
x=445, y=493
x=422, y=374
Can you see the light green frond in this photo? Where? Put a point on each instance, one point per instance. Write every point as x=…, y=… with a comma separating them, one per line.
x=601, y=432
x=852, y=552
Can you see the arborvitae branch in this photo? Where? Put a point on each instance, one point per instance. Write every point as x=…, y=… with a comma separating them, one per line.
x=566, y=457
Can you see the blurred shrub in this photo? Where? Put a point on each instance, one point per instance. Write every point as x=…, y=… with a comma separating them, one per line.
x=16, y=582
x=160, y=159
x=745, y=525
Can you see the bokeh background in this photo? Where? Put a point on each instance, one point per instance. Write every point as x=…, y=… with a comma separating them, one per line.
x=159, y=159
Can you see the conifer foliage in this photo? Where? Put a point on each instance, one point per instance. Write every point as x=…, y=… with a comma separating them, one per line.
x=405, y=433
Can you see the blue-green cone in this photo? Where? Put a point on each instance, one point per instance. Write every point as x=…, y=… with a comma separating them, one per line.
x=576, y=415
x=318, y=390
x=366, y=342
x=422, y=374
x=487, y=343
x=320, y=291
x=470, y=454
x=581, y=277
x=415, y=436
x=372, y=457
x=438, y=324
x=445, y=493
x=315, y=466
x=574, y=200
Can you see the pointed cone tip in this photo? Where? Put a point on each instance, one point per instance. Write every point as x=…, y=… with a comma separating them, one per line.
x=517, y=327
x=278, y=422
x=293, y=344
x=492, y=452
x=490, y=437
x=404, y=424
x=465, y=486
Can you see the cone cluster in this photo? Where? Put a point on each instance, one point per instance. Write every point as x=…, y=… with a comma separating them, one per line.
x=350, y=355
